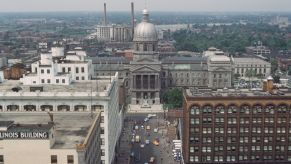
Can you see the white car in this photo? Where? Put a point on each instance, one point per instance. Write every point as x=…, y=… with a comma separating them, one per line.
x=156, y=130
x=142, y=145
x=147, y=142
x=136, y=127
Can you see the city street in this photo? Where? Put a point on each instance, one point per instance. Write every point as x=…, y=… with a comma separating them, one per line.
x=137, y=132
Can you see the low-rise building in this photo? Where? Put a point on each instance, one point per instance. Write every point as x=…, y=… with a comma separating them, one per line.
x=258, y=67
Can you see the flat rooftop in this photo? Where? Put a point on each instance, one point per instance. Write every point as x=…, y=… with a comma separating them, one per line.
x=71, y=128
x=239, y=93
x=88, y=86
x=249, y=61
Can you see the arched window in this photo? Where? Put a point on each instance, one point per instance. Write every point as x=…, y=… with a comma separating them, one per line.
x=195, y=110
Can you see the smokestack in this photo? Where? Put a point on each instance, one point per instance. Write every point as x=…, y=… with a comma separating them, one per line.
x=105, y=15
x=132, y=17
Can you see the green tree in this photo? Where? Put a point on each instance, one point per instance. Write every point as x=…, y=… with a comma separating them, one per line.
x=173, y=98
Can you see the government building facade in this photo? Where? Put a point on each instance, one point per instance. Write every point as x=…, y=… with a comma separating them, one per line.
x=148, y=75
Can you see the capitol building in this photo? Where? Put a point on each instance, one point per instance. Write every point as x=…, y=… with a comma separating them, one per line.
x=147, y=76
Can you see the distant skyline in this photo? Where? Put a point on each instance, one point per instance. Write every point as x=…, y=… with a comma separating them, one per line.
x=152, y=5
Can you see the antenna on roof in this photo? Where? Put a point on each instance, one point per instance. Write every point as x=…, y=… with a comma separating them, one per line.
x=145, y=4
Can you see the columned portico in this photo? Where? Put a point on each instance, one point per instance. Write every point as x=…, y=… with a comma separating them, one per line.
x=145, y=88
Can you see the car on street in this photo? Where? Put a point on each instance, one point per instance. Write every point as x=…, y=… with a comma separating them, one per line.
x=137, y=138
x=146, y=119
x=156, y=142
x=136, y=127
x=151, y=115
x=147, y=142
x=142, y=145
x=152, y=160
x=156, y=130
x=148, y=127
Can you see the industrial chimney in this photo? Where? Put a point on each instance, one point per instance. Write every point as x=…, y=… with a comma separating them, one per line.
x=132, y=17
x=105, y=15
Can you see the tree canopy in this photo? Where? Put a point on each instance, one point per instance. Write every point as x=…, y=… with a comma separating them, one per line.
x=231, y=38
x=173, y=98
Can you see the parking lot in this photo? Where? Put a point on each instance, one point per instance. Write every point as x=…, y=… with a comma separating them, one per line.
x=146, y=140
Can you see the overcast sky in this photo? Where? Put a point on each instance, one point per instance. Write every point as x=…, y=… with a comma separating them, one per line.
x=153, y=5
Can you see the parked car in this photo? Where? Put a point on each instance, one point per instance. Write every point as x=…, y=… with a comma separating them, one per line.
x=152, y=160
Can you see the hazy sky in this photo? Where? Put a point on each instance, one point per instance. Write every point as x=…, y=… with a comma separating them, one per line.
x=153, y=5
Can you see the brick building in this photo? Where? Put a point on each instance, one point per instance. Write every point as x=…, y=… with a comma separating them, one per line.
x=237, y=126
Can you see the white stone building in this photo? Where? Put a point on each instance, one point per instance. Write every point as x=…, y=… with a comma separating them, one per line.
x=37, y=138
x=57, y=68
x=88, y=96
x=258, y=67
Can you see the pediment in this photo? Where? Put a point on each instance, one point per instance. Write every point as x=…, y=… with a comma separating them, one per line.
x=145, y=68
x=145, y=60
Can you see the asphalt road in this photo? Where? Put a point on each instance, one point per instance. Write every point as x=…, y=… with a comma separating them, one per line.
x=161, y=153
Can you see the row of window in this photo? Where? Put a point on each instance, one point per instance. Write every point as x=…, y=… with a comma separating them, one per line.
x=253, y=148
x=245, y=109
x=198, y=75
x=266, y=130
x=76, y=69
x=230, y=158
x=48, y=81
x=253, y=139
x=243, y=120
x=54, y=159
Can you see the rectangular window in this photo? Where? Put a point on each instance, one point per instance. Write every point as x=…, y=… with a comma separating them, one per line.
x=77, y=70
x=1, y=159
x=42, y=81
x=69, y=69
x=57, y=81
x=83, y=78
x=77, y=77
x=82, y=69
x=102, y=141
x=102, y=152
x=41, y=71
x=63, y=80
x=64, y=69
x=54, y=159
x=48, y=71
x=70, y=159
x=48, y=81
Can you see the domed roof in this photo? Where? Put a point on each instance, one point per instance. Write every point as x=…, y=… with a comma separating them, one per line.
x=145, y=31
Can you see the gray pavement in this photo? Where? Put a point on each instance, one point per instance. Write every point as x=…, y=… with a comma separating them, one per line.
x=161, y=153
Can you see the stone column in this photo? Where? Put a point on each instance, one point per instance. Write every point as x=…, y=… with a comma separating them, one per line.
x=134, y=81
x=149, y=82
x=156, y=82
x=142, y=81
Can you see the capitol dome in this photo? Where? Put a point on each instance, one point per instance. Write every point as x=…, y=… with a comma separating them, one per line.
x=145, y=31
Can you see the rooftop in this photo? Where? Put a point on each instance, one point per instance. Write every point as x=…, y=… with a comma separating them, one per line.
x=236, y=93
x=184, y=60
x=68, y=133
x=100, y=87
x=249, y=61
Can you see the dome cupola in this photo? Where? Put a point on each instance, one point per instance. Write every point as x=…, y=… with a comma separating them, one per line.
x=145, y=31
